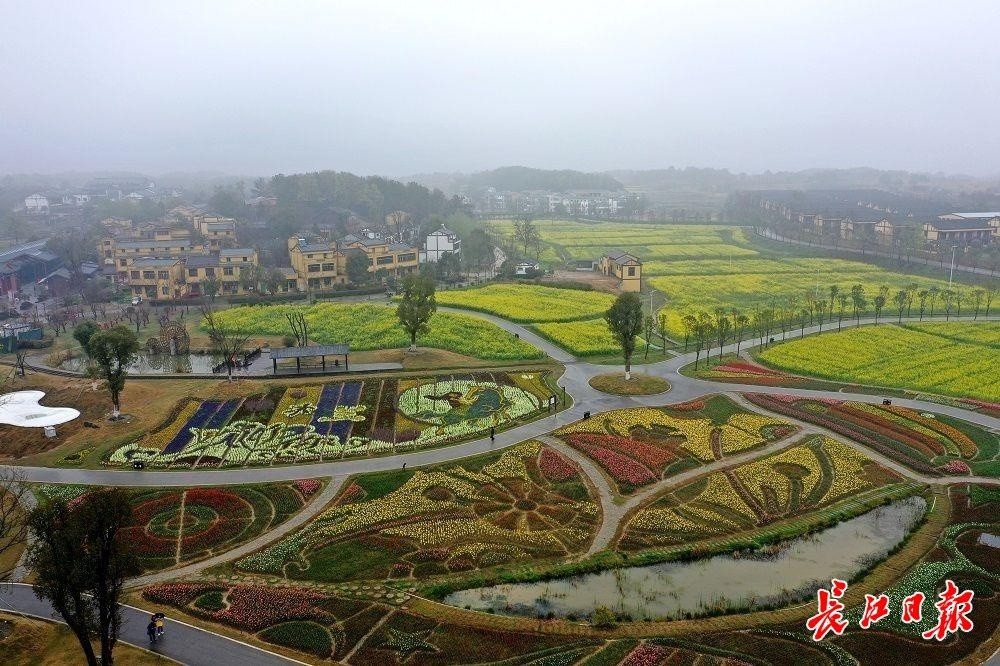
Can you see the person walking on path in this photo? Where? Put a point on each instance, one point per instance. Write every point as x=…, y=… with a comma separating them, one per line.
x=493, y=433
x=151, y=631
x=158, y=620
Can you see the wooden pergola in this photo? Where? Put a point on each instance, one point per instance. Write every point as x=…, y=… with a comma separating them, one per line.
x=299, y=353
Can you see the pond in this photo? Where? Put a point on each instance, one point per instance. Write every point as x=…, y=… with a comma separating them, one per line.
x=158, y=364
x=776, y=576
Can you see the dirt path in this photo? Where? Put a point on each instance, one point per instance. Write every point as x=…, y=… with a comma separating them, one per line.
x=180, y=529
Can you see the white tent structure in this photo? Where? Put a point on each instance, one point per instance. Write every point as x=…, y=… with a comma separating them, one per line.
x=21, y=408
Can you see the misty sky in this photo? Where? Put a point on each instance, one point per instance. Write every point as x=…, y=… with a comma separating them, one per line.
x=410, y=86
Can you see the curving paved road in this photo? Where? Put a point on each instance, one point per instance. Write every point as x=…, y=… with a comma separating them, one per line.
x=191, y=645
x=181, y=642
x=575, y=380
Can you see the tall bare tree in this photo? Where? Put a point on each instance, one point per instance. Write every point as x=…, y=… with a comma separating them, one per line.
x=15, y=502
x=226, y=342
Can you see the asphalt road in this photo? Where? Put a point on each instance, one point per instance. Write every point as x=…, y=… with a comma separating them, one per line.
x=180, y=642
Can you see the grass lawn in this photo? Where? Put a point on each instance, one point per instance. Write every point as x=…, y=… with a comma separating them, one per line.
x=639, y=384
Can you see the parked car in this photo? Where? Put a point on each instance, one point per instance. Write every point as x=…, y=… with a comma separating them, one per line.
x=136, y=300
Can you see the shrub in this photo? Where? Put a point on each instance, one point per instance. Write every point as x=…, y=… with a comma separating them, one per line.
x=602, y=617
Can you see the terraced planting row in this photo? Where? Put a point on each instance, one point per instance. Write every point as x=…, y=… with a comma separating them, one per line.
x=338, y=420
x=928, y=443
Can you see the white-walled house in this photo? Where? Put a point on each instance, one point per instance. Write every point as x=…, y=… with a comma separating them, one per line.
x=36, y=204
x=438, y=242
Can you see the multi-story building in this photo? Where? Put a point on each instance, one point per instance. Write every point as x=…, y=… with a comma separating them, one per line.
x=440, y=242
x=959, y=232
x=385, y=257
x=316, y=265
x=323, y=265
x=156, y=278
x=121, y=252
x=186, y=276
x=36, y=204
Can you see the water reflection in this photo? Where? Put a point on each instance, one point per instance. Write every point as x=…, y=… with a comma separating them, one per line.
x=777, y=575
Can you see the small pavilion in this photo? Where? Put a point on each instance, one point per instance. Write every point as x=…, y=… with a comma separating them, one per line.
x=299, y=353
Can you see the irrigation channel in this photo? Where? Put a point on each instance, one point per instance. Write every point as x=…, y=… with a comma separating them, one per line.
x=770, y=577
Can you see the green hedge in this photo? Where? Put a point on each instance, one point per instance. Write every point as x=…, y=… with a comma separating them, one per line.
x=305, y=636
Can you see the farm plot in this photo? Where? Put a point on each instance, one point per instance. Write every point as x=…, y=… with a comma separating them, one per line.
x=803, y=478
x=366, y=326
x=338, y=420
x=771, y=282
x=956, y=359
x=578, y=241
x=639, y=446
x=928, y=443
x=172, y=526
x=530, y=303
x=525, y=503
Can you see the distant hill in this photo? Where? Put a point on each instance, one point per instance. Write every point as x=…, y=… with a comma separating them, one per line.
x=518, y=179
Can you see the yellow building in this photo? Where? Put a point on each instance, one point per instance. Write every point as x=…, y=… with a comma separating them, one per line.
x=385, y=257
x=625, y=267
x=316, y=265
x=170, y=278
x=324, y=265
x=121, y=252
x=154, y=278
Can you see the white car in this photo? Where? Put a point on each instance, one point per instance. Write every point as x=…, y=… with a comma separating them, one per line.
x=136, y=300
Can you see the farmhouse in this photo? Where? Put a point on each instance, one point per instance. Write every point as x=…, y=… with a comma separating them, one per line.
x=624, y=266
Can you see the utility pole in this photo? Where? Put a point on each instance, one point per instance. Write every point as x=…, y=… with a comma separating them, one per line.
x=951, y=275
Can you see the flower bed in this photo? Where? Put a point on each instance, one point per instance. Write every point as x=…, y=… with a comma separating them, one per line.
x=554, y=465
x=338, y=420
x=798, y=480
x=454, y=518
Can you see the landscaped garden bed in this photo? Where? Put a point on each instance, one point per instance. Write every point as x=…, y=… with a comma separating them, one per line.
x=323, y=626
x=639, y=446
x=523, y=504
x=928, y=443
x=172, y=526
x=798, y=480
x=340, y=420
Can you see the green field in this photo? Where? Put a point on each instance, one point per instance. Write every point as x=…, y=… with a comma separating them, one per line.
x=530, y=303
x=366, y=326
x=564, y=241
x=774, y=282
x=957, y=359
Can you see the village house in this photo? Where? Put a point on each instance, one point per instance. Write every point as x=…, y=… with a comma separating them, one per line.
x=625, y=267
x=438, y=243
x=959, y=232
